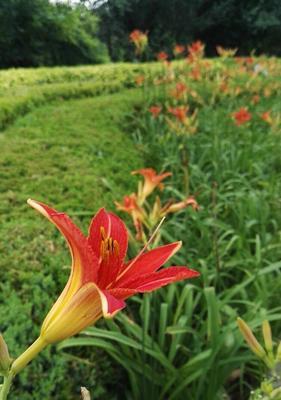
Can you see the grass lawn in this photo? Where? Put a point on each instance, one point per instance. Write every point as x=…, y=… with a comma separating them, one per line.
x=76, y=153
x=75, y=156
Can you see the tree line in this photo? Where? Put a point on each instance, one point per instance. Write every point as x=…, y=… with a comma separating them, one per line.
x=37, y=32
x=250, y=25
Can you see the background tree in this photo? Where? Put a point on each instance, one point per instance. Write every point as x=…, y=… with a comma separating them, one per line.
x=36, y=32
x=255, y=24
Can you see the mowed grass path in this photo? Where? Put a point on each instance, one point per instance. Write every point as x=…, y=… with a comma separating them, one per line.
x=74, y=156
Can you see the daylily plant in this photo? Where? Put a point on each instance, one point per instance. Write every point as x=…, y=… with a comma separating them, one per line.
x=270, y=388
x=140, y=40
x=142, y=212
x=100, y=280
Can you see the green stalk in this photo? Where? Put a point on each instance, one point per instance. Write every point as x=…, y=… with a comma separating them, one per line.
x=28, y=355
x=6, y=386
x=19, y=364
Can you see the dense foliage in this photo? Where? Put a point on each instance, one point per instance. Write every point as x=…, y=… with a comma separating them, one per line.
x=77, y=154
x=216, y=125
x=251, y=25
x=37, y=32
x=40, y=32
x=21, y=90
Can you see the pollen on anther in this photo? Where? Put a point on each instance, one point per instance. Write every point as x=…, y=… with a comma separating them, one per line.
x=116, y=248
x=110, y=245
x=102, y=249
x=102, y=232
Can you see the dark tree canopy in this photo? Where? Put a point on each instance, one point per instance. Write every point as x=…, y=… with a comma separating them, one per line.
x=36, y=32
x=248, y=25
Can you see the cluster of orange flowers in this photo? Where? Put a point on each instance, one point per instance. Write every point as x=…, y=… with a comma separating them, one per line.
x=193, y=51
x=146, y=216
x=139, y=39
x=181, y=113
x=242, y=116
x=178, y=118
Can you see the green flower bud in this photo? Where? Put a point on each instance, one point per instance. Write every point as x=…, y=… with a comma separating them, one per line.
x=5, y=360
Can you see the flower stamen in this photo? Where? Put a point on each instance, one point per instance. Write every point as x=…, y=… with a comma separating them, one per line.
x=108, y=246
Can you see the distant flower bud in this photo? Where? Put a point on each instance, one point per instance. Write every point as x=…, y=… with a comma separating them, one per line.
x=250, y=338
x=266, y=330
x=278, y=358
x=85, y=394
x=5, y=360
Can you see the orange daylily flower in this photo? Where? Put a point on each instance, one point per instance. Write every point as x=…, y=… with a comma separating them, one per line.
x=195, y=50
x=184, y=124
x=100, y=280
x=265, y=116
x=139, y=39
x=226, y=52
x=155, y=110
x=242, y=116
x=178, y=49
x=179, y=91
x=151, y=182
x=159, y=211
x=195, y=73
x=130, y=206
x=188, y=202
x=162, y=56
x=179, y=112
x=255, y=99
x=139, y=80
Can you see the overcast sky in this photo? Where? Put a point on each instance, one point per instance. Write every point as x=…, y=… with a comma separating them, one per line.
x=65, y=1
x=73, y=2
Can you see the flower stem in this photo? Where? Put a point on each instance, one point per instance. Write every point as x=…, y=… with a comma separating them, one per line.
x=6, y=386
x=28, y=355
x=19, y=364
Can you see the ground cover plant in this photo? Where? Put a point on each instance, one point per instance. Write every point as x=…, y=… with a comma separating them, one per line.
x=45, y=154
x=215, y=126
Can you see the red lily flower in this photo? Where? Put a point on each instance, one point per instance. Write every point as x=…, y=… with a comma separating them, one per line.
x=151, y=182
x=242, y=116
x=130, y=206
x=179, y=91
x=188, y=202
x=196, y=50
x=101, y=279
x=266, y=117
x=162, y=56
x=178, y=49
x=139, y=39
x=179, y=112
x=195, y=73
x=139, y=80
x=155, y=111
x=223, y=52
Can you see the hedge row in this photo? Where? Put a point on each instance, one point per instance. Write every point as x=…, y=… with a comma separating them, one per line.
x=22, y=90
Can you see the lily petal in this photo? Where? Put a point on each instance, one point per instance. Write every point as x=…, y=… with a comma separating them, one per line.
x=153, y=281
x=147, y=263
x=84, y=262
x=110, y=304
x=122, y=293
x=114, y=227
x=82, y=310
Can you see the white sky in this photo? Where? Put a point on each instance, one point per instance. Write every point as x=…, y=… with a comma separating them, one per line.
x=65, y=1
x=73, y=2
